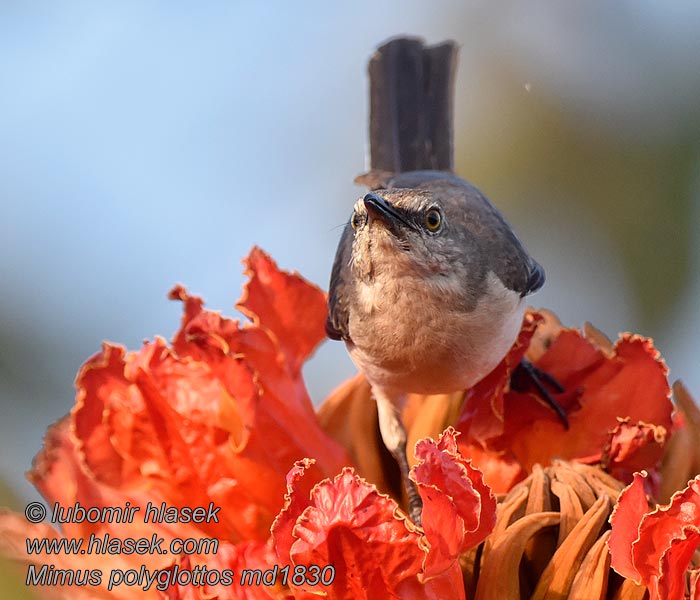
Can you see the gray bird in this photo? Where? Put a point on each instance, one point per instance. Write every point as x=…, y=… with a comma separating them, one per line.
x=427, y=292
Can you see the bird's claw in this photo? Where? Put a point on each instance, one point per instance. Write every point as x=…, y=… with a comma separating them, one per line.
x=539, y=378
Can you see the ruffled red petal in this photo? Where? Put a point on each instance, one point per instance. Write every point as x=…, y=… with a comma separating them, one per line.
x=459, y=510
x=631, y=506
x=632, y=447
x=658, y=528
x=656, y=548
x=284, y=304
x=347, y=524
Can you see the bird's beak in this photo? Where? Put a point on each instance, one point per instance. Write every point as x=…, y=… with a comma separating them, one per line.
x=380, y=209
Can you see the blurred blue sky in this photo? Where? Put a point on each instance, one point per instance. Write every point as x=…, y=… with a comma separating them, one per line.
x=148, y=143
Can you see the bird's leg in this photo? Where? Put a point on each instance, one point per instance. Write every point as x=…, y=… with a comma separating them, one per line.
x=394, y=437
x=527, y=371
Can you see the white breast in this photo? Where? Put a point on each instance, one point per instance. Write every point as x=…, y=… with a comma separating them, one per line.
x=412, y=337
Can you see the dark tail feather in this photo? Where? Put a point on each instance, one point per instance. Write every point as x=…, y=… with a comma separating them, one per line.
x=411, y=106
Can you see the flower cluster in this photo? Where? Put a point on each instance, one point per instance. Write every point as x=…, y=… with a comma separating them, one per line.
x=221, y=416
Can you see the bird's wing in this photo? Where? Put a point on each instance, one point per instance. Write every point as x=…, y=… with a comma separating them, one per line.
x=535, y=279
x=337, y=319
x=514, y=266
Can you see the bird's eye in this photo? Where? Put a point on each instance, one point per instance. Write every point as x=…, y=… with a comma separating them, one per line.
x=433, y=219
x=356, y=221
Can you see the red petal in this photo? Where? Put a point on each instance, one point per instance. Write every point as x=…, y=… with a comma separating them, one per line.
x=632, y=447
x=151, y=417
x=694, y=584
x=96, y=379
x=446, y=586
x=459, y=510
x=349, y=525
x=655, y=548
x=285, y=411
x=296, y=500
x=675, y=562
x=631, y=507
x=286, y=305
x=501, y=470
x=658, y=529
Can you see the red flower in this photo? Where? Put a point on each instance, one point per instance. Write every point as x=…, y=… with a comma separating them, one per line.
x=459, y=510
x=218, y=418
x=603, y=383
x=220, y=415
x=376, y=552
x=221, y=418
x=658, y=547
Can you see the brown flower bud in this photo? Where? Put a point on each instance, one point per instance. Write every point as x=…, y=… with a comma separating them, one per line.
x=550, y=539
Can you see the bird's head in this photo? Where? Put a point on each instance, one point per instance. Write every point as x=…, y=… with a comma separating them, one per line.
x=405, y=232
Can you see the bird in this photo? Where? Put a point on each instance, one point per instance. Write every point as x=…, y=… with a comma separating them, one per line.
x=428, y=292
x=429, y=281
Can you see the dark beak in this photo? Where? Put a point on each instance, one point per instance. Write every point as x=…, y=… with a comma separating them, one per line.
x=378, y=208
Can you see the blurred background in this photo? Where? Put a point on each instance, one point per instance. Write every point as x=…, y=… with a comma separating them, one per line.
x=148, y=143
